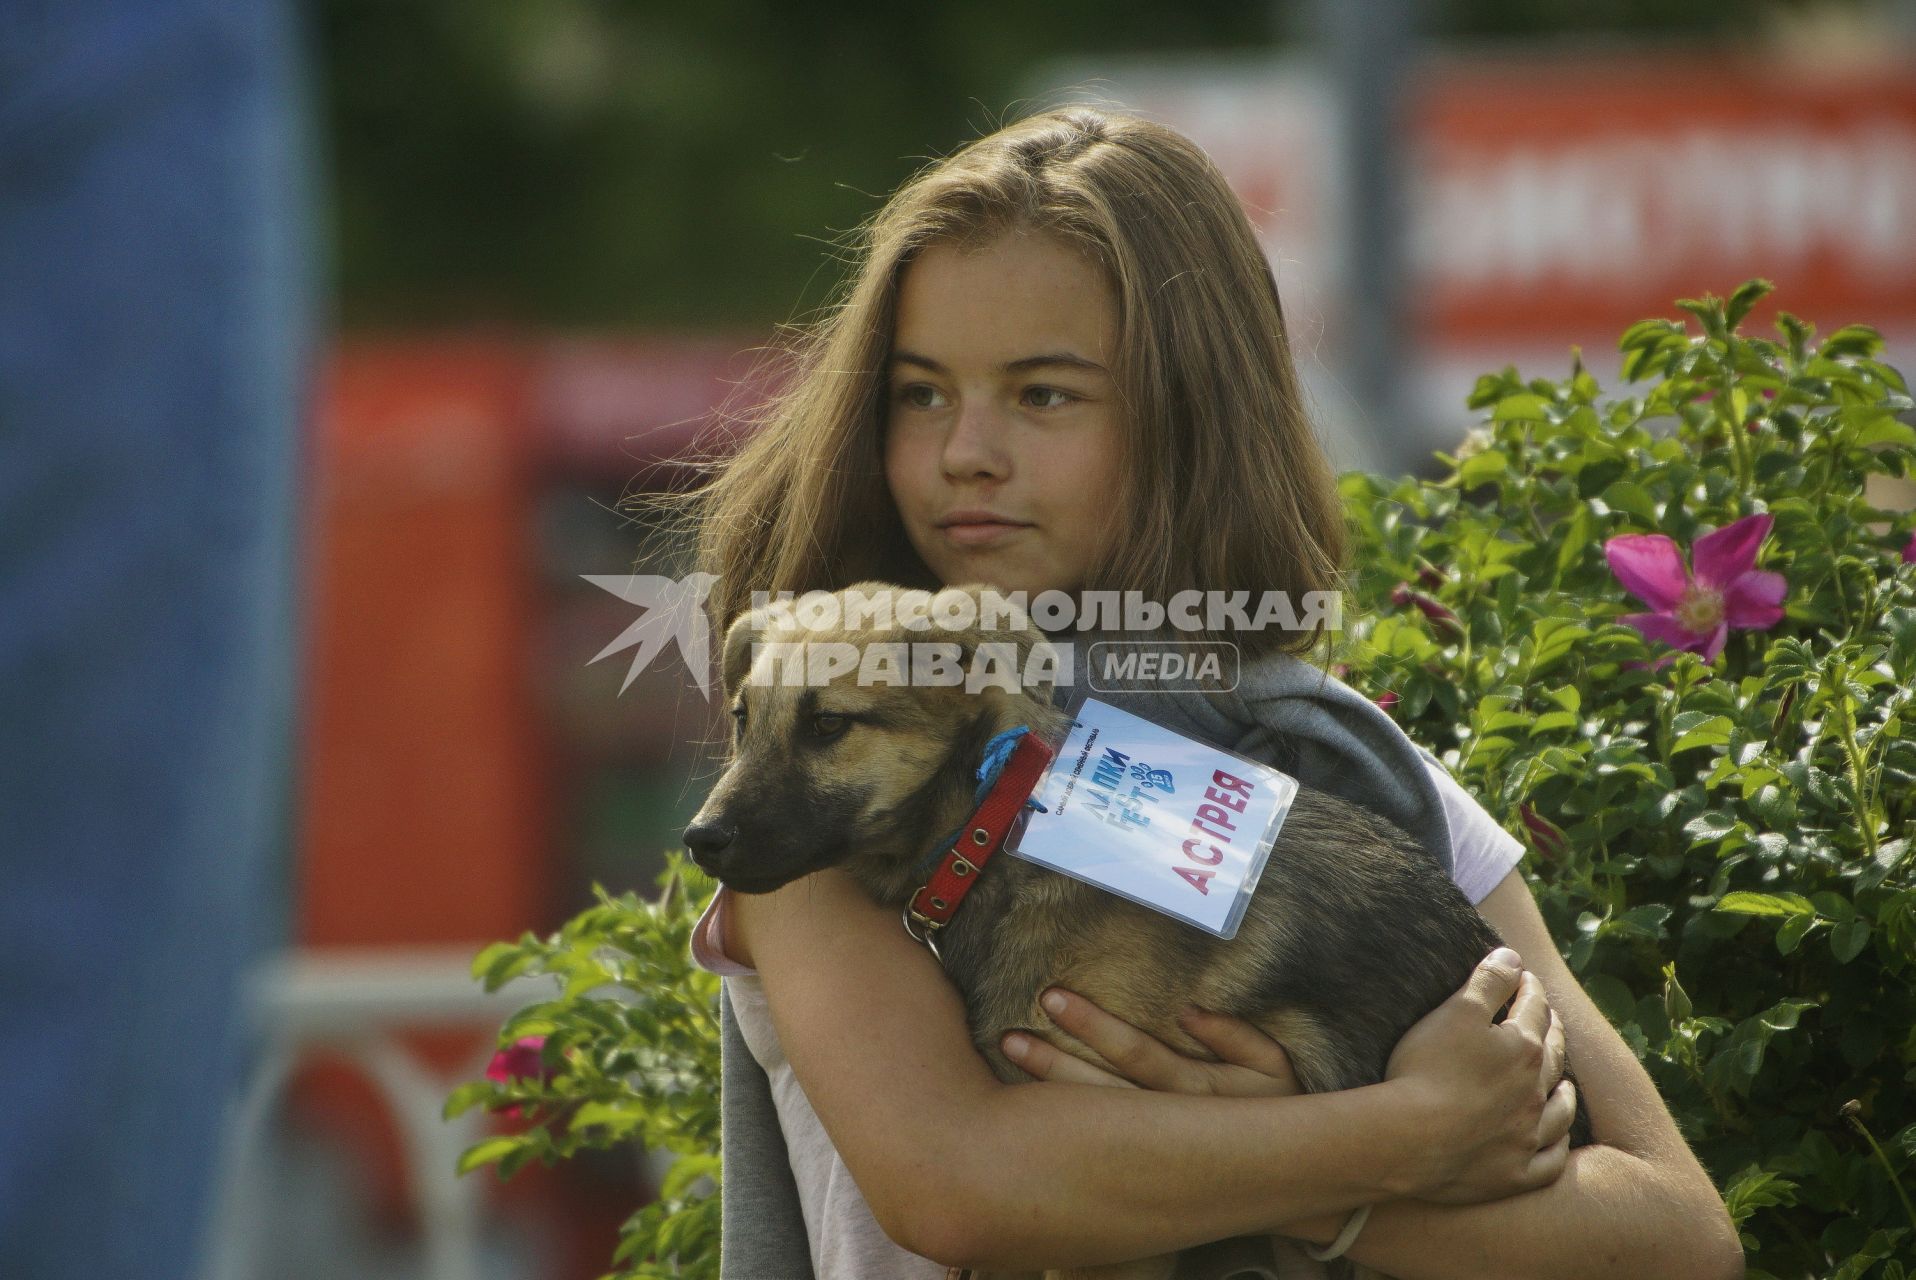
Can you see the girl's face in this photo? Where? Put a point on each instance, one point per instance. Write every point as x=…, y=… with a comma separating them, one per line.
x=1002, y=436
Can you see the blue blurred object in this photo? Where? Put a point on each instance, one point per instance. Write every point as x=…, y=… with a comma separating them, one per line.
x=156, y=340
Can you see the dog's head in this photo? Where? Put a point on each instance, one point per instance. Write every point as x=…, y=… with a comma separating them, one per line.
x=851, y=744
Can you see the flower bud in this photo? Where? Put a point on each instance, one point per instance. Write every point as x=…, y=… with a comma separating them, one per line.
x=1545, y=836
x=1439, y=615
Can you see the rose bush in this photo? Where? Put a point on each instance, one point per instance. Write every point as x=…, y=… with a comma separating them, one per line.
x=625, y=1054
x=1717, y=793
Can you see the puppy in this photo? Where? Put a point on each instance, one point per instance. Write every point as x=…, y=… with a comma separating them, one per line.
x=1353, y=933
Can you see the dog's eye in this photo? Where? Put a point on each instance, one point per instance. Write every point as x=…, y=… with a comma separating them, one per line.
x=826, y=725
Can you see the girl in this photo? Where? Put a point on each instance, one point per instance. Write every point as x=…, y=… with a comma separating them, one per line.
x=1061, y=365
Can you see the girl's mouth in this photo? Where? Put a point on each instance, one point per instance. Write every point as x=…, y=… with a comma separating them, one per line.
x=981, y=532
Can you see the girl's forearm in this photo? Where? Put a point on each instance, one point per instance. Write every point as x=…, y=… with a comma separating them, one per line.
x=1610, y=1214
x=1031, y=1182
x=1222, y=1167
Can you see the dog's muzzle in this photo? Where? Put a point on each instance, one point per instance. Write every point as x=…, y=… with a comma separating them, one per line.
x=716, y=851
x=708, y=842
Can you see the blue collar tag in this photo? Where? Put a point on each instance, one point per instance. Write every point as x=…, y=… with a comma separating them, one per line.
x=1171, y=822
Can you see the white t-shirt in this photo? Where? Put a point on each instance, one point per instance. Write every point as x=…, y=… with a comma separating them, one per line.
x=846, y=1241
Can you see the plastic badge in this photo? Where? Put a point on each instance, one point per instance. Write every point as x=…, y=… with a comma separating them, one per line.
x=1169, y=821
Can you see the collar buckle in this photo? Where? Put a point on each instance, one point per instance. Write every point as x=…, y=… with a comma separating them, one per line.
x=930, y=928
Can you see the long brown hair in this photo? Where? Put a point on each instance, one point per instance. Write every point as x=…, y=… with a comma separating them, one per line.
x=1224, y=481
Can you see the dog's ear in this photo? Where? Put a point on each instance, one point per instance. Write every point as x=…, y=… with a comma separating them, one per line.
x=1000, y=620
x=746, y=630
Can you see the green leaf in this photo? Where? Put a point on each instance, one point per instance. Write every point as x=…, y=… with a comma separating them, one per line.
x=1712, y=825
x=1766, y=904
x=1644, y=922
x=1784, y=1014
x=1884, y=428
x=1576, y=538
x=1852, y=340
x=619, y=1119
x=490, y=1150
x=1632, y=499
x=1709, y=313
x=1773, y=805
x=501, y=962
x=686, y=1171
x=1754, y=1188
x=1554, y=638
x=1790, y=934
x=1710, y=731
x=1746, y=296
x=1848, y=939
x=1647, y=333
x=466, y=1097
x=1520, y=407
x=1553, y=720
x=1482, y=467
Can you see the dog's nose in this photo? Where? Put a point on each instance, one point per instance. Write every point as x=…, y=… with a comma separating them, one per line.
x=707, y=840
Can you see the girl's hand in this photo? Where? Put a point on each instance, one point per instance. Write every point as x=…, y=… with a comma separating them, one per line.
x=1495, y=1110
x=1253, y=1063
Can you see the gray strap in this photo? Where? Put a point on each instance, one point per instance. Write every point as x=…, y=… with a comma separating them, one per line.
x=762, y=1229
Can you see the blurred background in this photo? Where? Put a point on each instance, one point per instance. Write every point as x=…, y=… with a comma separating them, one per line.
x=548, y=239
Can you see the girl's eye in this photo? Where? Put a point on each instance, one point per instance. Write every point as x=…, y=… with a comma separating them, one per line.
x=826, y=725
x=1064, y=397
x=738, y=719
x=912, y=395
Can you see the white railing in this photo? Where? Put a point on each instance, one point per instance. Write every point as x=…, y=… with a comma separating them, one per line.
x=357, y=1004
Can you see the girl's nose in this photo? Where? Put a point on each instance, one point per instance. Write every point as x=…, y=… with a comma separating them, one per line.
x=976, y=445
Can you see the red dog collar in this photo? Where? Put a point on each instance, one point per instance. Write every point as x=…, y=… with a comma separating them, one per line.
x=932, y=907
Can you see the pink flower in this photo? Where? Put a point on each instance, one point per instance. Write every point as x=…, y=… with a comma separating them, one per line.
x=1696, y=613
x=1385, y=700
x=1909, y=550
x=520, y=1061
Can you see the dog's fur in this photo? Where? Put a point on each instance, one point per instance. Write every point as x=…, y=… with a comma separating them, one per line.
x=1353, y=933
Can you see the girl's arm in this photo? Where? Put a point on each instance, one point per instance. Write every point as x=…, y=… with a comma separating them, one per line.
x=965, y=1170
x=1636, y=1203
